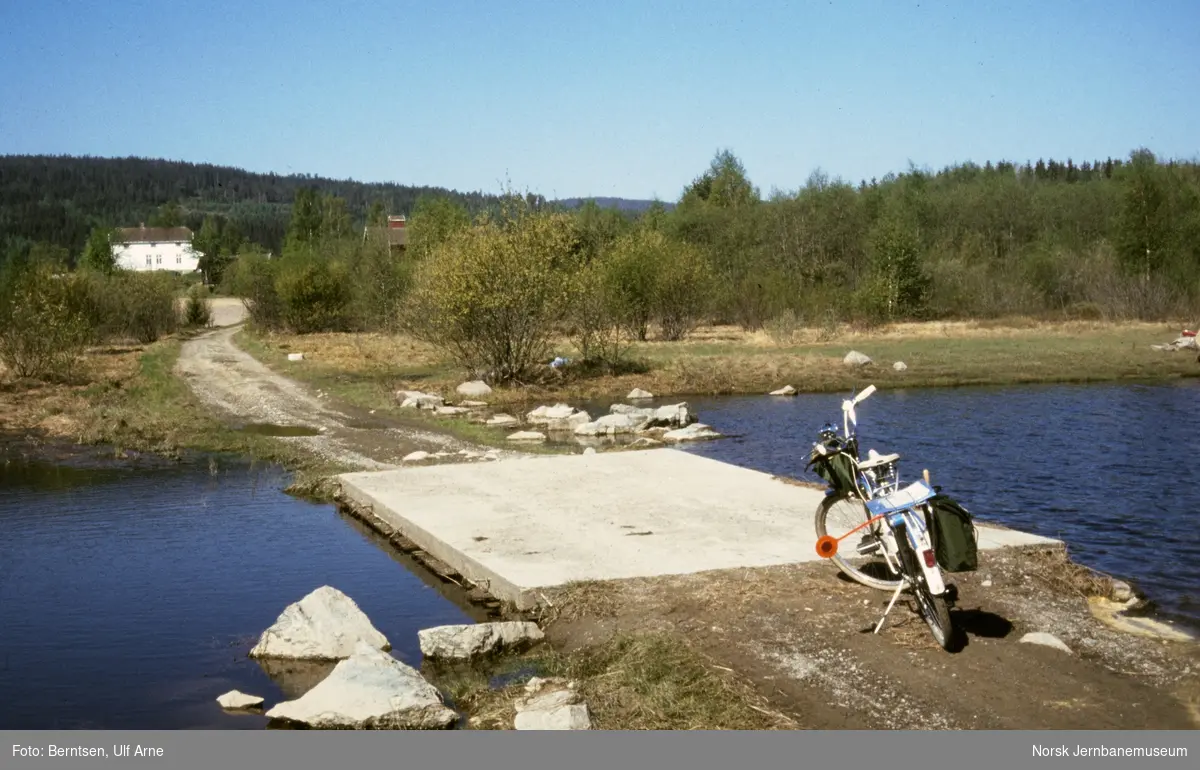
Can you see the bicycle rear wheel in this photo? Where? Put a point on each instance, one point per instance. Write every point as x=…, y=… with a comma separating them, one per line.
x=861, y=556
x=933, y=609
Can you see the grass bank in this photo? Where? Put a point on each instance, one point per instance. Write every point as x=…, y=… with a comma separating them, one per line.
x=367, y=369
x=127, y=399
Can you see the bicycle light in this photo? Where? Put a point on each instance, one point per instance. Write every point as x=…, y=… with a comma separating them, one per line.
x=930, y=559
x=827, y=547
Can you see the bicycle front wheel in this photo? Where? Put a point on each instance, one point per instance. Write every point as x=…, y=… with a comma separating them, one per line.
x=860, y=556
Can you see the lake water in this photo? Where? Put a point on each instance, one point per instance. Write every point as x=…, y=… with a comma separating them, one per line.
x=129, y=599
x=1111, y=469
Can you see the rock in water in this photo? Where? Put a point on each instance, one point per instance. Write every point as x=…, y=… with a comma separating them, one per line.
x=527, y=435
x=502, y=421
x=415, y=457
x=786, y=390
x=854, y=358
x=900, y=366
x=235, y=700
x=325, y=625
x=473, y=389
x=463, y=642
x=697, y=431
x=370, y=690
x=1046, y=640
x=639, y=393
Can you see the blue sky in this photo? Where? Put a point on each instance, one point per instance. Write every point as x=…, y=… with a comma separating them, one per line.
x=622, y=98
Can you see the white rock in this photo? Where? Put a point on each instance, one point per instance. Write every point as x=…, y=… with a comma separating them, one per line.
x=473, y=404
x=325, y=625
x=369, y=690
x=473, y=389
x=527, y=435
x=636, y=411
x=1121, y=591
x=900, y=366
x=695, y=432
x=451, y=411
x=672, y=415
x=502, y=421
x=295, y=356
x=462, y=642
x=590, y=450
x=986, y=584
x=415, y=457
x=548, y=414
x=639, y=393
x=573, y=717
x=646, y=441
x=551, y=704
x=1047, y=640
x=786, y=390
x=611, y=425
x=236, y=700
x=415, y=399
x=854, y=358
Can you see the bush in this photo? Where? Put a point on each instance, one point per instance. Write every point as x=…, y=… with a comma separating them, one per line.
x=314, y=294
x=252, y=277
x=381, y=281
x=491, y=295
x=41, y=333
x=148, y=305
x=198, y=310
x=683, y=293
x=597, y=328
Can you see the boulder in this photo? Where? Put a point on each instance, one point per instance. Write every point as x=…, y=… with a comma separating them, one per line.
x=451, y=411
x=636, y=411
x=235, y=700
x=646, y=442
x=695, y=432
x=551, y=704
x=590, y=450
x=463, y=642
x=557, y=417
x=1046, y=640
x=473, y=389
x=295, y=356
x=638, y=393
x=502, y=421
x=325, y=625
x=673, y=415
x=415, y=457
x=900, y=366
x=854, y=358
x=527, y=435
x=415, y=399
x=473, y=404
x=612, y=425
x=1122, y=591
x=370, y=690
x=786, y=390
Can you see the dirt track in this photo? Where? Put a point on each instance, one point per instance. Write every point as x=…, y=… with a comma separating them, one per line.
x=231, y=381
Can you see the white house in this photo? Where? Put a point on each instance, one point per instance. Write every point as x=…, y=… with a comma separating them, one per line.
x=157, y=248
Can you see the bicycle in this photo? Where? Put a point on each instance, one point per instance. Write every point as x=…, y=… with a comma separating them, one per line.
x=896, y=550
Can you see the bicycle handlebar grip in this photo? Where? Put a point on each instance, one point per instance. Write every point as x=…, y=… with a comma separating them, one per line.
x=867, y=391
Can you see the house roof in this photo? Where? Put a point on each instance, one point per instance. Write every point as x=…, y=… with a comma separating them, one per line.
x=396, y=236
x=155, y=234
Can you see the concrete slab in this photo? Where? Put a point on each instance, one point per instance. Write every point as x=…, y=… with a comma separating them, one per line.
x=517, y=527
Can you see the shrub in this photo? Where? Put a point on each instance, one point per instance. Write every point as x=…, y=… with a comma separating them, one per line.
x=148, y=305
x=683, y=291
x=41, y=333
x=198, y=309
x=598, y=331
x=314, y=294
x=252, y=277
x=491, y=295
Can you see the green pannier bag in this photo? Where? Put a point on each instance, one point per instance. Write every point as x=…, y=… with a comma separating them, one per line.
x=952, y=530
x=836, y=469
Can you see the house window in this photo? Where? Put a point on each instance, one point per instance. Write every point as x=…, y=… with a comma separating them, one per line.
x=178, y=245
x=179, y=260
x=148, y=263
x=158, y=259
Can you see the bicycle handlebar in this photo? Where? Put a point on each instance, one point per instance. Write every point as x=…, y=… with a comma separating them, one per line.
x=866, y=393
